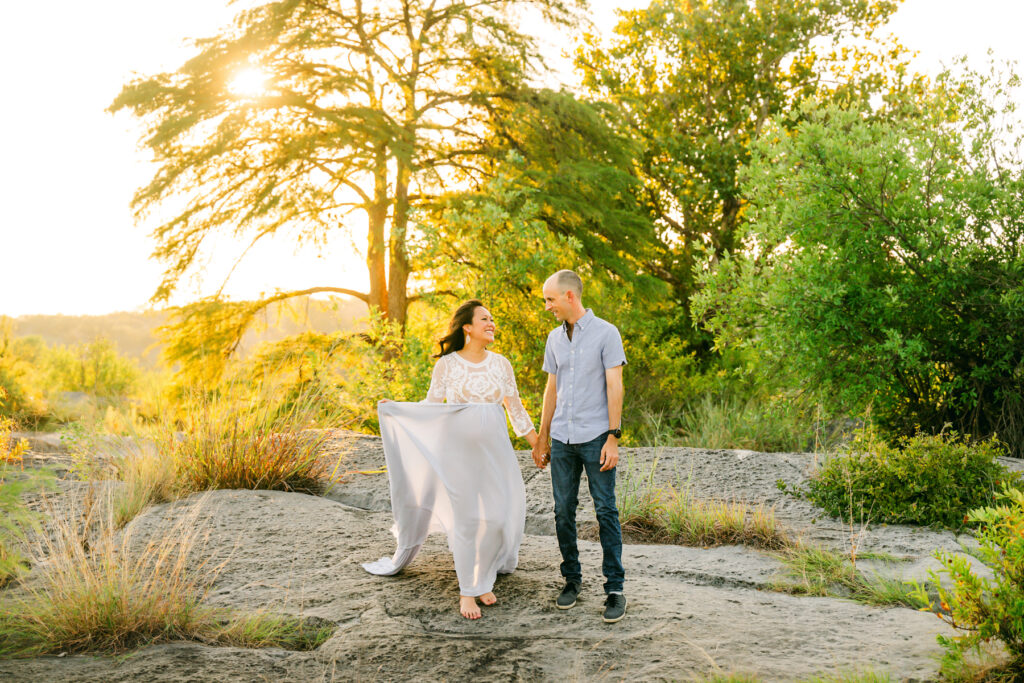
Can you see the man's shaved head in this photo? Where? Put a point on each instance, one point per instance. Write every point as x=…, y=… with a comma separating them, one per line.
x=566, y=280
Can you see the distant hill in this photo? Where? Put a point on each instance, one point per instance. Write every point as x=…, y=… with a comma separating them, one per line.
x=135, y=336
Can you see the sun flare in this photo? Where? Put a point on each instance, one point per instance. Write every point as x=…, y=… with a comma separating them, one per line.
x=249, y=82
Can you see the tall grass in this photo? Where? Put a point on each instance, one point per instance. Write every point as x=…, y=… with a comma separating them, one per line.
x=96, y=590
x=149, y=478
x=669, y=514
x=696, y=522
x=752, y=423
x=215, y=444
x=252, y=447
x=98, y=593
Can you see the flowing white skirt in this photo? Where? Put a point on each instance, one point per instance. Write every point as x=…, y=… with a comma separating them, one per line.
x=452, y=469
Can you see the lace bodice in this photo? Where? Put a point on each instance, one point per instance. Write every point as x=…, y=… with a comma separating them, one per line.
x=456, y=380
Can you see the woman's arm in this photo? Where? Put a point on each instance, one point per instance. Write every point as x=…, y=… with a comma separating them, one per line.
x=435, y=394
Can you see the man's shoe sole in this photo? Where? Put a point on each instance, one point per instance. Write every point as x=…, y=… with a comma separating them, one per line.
x=565, y=606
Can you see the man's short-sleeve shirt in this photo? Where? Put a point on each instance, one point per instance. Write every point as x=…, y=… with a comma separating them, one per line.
x=579, y=364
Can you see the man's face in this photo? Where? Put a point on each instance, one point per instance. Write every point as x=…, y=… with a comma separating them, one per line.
x=556, y=301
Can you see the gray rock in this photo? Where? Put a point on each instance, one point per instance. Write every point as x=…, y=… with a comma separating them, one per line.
x=692, y=611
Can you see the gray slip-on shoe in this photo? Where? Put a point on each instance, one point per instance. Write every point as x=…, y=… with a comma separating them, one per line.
x=567, y=598
x=614, y=607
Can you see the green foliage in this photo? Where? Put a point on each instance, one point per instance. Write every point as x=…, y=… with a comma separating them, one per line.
x=16, y=398
x=925, y=479
x=729, y=400
x=882, y=261
x=769, y=424
x=696, y=82
x=15, y=520
x=982, y=609
x=95, y=368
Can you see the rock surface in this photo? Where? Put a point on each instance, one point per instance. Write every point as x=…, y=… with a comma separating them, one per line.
x=692, y=612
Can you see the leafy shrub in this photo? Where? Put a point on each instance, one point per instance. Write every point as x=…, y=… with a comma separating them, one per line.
x=925, y=479
x=16, y=398
x=888, y=268
x=95, y=368
x=986, y=609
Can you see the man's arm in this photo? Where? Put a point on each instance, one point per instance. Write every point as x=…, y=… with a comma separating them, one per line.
x=610, y=451
x=542, y=447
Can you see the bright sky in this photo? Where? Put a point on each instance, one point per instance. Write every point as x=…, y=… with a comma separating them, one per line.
x=68, y=242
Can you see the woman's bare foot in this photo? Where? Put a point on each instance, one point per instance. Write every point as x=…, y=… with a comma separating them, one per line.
x=488, y=598
x=468, y=607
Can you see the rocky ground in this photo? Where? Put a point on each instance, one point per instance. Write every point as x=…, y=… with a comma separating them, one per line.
x=692, y=612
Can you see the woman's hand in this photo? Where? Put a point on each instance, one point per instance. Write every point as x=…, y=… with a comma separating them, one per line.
x=531, y=438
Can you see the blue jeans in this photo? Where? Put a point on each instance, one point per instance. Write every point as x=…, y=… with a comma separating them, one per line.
x=567, y=463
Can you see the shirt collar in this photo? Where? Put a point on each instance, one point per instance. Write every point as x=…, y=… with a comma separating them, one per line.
x=582, y=322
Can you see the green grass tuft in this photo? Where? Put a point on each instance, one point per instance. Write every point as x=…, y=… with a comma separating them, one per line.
x=816, y=571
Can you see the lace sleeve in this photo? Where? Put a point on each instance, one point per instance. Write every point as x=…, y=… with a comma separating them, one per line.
x=521, y=422
x=436, y=393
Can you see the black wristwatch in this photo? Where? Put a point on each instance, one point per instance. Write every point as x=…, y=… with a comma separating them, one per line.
x=617, y=433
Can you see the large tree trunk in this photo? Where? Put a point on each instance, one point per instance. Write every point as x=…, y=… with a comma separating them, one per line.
x=398, y=270
x=376, y=255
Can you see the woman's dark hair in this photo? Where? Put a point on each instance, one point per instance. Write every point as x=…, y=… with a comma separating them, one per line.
x=456, y=338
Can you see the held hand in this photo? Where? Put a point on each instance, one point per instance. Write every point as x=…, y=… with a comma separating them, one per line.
x=531, y=438
x=541, y=449
x=610, y=454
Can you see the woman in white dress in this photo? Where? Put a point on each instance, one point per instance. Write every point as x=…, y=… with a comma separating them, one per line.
x=451, y=466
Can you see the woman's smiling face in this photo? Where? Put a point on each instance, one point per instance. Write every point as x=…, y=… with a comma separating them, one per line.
x=483, y=326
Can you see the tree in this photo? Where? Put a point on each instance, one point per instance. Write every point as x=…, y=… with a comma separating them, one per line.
x=95, y=368
x=696, y=81
x=563, y=198
x=371, y=109
x=884, y=258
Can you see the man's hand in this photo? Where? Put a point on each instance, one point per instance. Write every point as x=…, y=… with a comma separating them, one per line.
x=610, y=454
x=542, y=451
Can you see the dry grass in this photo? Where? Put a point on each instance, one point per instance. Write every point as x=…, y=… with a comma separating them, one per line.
x=238, y=448
x=218, y=445
x=96, y=590
x=653, y=514
x=690, y=521
x=149, y=479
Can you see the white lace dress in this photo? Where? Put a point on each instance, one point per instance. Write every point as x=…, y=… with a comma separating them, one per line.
x=457, y=380
x=451, y=469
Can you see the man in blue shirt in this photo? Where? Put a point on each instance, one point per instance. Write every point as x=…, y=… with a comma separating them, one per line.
x=580, y=429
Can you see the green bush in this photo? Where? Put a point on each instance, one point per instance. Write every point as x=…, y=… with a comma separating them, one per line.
x=882, y=258
x=925, y=479
x=983, y=609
